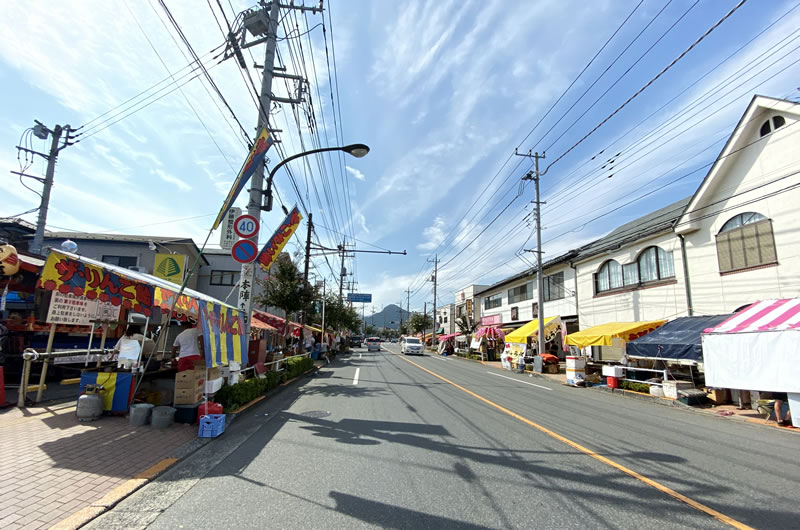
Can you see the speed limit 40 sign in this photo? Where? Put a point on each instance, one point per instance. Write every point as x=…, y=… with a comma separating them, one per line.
x=245, y=226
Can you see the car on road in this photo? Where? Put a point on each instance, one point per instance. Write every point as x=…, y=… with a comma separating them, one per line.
x=355, y=341
x=410, y=345
x=373, y=344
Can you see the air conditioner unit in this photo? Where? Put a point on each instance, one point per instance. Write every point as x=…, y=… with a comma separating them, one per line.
x=138, y=268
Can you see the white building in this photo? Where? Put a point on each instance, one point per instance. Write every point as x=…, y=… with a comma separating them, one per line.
x=513, y=301
x=446, y=318
x=466, y=304
x=732, y=243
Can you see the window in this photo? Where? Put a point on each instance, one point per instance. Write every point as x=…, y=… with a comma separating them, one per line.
x=445, y=320
x=493, y=301
x=460, y=311
x=746, y=241
x=515, y=313
x=630, y=274
x=655, y=263
x=520, y=294
x=554, y=287
x=776, y=121
x=224, y=277
x=535, y=310
x=121, y=261
x=608, y=277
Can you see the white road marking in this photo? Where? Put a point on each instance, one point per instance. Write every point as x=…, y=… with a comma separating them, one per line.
x=518, y=381
x=359, y=355
x=355, y=379
x=441, y=358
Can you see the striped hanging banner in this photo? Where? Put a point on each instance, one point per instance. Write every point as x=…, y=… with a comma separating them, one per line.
x=223, y=335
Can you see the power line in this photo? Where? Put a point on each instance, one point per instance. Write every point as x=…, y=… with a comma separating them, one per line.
x=648, y=84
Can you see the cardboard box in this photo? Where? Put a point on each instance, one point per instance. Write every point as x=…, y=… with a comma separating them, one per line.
x=187, y=396
x=550, y=369
x=719, y=395
x=213, y=385
x=671, y=388
x=190, y=379
x=214, y=373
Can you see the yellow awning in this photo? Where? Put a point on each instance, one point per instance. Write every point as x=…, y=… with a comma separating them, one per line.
x=603, y=334
x=531, y=329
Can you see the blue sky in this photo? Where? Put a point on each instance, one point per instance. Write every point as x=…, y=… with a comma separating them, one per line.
x=442, y=91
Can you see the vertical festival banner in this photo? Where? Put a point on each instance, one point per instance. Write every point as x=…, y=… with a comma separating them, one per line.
x=275, y=244
x=254, y=158
x=223, y=335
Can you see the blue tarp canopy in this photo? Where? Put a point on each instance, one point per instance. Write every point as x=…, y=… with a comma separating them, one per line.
x=675, y=340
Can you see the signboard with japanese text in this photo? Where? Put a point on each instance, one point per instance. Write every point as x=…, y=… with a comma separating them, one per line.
x=491, y=320
x=227, y=236
x=65, y=274
x=170, y=267
x=245, y=291
x=275, y=244
x=185, y=304
x=78, y=310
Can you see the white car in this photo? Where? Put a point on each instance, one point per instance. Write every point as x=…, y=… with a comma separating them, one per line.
x=373, y=344
x=410, y=345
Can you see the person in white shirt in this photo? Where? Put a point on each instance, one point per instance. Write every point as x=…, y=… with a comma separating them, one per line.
x=189, y=346
x=129, y=346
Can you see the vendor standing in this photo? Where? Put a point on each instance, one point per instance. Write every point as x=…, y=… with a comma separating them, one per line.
x=188, y=343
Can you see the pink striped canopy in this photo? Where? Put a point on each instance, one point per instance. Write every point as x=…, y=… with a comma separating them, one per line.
x=769, y=315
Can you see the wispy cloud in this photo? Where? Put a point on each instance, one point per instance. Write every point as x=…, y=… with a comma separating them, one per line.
x=172, y=179
x=358, y=175
x=433, y=235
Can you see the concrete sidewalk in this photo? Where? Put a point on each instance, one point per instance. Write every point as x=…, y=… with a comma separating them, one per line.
x=53, y=465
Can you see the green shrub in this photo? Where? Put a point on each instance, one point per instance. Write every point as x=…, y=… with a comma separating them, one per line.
x=234, y=396
x=298, y=365
x=636, y=387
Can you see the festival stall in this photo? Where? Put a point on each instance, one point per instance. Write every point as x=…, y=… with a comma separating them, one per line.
x=757, y=349
x=607, y=341
x=678, y=341
x=516, y=342
x=89, y=291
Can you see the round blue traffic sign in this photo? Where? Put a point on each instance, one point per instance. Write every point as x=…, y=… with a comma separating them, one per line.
x=244, y=251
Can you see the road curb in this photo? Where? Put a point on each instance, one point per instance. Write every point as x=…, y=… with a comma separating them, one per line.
x=124, y=490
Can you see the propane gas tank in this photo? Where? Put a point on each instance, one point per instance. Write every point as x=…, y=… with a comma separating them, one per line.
x=91, y=403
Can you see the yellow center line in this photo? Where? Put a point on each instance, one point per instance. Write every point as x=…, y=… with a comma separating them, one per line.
x=638, y=476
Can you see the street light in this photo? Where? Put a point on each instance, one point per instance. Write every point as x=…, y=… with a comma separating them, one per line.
x=356, y=150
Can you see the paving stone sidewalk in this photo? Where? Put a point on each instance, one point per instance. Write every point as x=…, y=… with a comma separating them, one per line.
x=52, y=465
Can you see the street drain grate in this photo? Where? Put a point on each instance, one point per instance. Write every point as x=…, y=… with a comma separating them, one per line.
x=316, y=414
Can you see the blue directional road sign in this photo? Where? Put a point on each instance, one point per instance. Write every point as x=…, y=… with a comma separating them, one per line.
x=359, y=297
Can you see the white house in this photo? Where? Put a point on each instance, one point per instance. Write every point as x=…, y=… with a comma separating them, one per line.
x=741, y=227
x=446, y=318
x=730, y=244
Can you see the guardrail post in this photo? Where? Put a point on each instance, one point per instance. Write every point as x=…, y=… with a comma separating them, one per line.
x=47, y=353
x=23, y=384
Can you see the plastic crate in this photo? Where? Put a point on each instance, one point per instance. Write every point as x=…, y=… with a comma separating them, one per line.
x=211, y=426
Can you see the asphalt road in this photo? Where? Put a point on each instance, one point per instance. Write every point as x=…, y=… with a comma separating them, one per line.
x=384, y=440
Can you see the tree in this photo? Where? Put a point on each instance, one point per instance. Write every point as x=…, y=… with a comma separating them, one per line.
x=284, y=288
x=465, y=327
x=418, y=322
x=403, y=329
x=340, y=316
x=370, y=330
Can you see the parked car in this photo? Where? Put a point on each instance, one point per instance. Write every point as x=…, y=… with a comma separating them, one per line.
x=374, y=344
x=410, y=345
x=355, y=341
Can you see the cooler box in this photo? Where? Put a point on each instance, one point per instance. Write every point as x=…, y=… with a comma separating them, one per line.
x=671, y=388
x=576, y=372
x=613, y=371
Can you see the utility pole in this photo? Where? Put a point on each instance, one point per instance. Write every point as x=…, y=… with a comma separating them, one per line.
x=305, y=267
x=435, y=277
x=41, y=132
x=538, y=218
x=248, y=274
x=262, y=23
x=424, y=324
x=408, y=302
x=342, y=272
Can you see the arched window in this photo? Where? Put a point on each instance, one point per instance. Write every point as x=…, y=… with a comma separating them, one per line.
x=655, y=263
x=772, y=124
x=745, y=241
x=608, y=277
x=742, y=219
